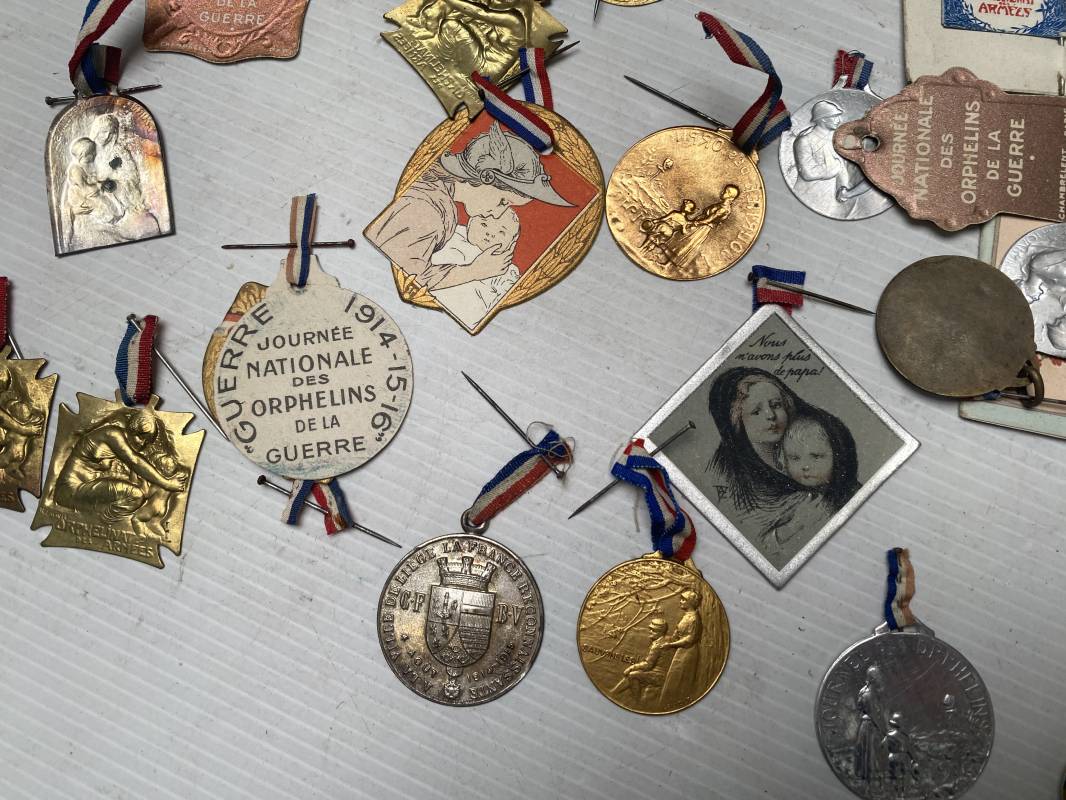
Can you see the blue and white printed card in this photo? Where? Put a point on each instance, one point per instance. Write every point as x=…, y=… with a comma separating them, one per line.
x=1045, y=18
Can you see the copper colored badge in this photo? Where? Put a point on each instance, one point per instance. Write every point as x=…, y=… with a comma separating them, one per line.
x=957, y=151
x=224, y=31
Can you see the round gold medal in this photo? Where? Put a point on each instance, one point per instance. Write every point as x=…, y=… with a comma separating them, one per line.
x=653, y=635
x=686, y=203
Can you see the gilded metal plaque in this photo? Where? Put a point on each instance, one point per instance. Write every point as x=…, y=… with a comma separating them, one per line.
x=119, y=479
x=224, y=31
x=25, y=404
x=446, y=40
x=653, y=636
x=107, y=181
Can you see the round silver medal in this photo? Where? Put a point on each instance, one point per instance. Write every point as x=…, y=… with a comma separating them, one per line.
x=904, y=716
x=1037, y=263
x=820, y=178
x=460, y=620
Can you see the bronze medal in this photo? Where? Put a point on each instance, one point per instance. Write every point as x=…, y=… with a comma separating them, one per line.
x=25, y=405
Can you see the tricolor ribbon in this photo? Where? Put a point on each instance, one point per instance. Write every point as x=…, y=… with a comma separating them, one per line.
x=509, y=112
x=93, y=68
x=133, y=365
x=900, y=589
x=4, y=286
x=672, y=532
x=762, y=293
x=853, y=67
x=768, y=117
x=327, y=494
x=518, y=476
x=302, y=218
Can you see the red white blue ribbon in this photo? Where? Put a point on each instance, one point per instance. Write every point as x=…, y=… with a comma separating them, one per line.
x=4, y=286
x=509, y=112
x=303, y=215
x=853, y=67
x=518, y=476
x=672, y=532
x=133, y=365
x=768, y=118
x=900, y=589
x=327, y=494
x=763, y=293
x=94, y=69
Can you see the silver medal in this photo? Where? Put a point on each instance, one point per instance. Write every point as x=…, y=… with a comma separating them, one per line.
x=1037, y=263
x=820, y=178
x=904, y=716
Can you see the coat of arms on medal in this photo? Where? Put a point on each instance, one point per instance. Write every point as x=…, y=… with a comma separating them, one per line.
x=459, y=615
x=446, y=40
x=25, y=404
x=119, y=479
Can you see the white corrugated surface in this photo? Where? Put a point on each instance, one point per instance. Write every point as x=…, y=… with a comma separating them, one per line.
x=249, y=667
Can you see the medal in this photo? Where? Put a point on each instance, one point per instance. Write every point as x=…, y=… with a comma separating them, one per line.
x=687, y=203
x=460, y=618
x=307, y=379
x=902, y=714
x=25, y=404
x=652, y=634
x=121, y=470
x=821, y=179
x=225, y=31
x=1036, y=265
x=107, y=182
x=483, y=219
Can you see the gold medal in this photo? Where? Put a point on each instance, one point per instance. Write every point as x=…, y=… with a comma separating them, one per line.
x=653, y=635
x=686, y=203
x=25, y=404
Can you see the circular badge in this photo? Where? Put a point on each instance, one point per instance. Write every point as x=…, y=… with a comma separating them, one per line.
x=653, y=635
x=820, y=178
x=460, y=620
x=1037, y=265
x=686, y=203
x=955, y=326
x=904, y=715
x=312, y=383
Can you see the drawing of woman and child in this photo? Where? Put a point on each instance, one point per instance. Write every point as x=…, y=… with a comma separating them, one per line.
x=783, y=468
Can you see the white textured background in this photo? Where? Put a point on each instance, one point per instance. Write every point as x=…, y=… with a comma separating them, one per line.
x=249, y=667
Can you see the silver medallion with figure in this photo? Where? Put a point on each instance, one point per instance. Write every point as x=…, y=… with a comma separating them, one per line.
x=819, y=177
x=904, y=716
x=1037, y=264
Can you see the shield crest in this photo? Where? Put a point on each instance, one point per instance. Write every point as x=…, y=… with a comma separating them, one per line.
x=458, y=624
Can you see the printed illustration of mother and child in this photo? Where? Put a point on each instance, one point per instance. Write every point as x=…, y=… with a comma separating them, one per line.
x=783, y=467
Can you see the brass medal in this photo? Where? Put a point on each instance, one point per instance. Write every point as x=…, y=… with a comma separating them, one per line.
x=481, y=221
x=25, y=405
x=653, y=635
x=119, y=479
x=446, y=40
x=686, y=203
x=224, y=31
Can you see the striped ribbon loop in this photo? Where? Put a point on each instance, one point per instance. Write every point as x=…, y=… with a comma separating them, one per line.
x=768, y=117
x=762, y=293
x=133, y=365
x=518, y=476
x=4, y=286
x=327, y=494
x=853, y=66
x=508, y=111
x=95, y=69
x=900, y=589
x=672, y=531
x=303, y=216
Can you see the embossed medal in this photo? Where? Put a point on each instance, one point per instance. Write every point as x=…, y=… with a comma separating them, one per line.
x=225, y=31
x=25, y=405
x=107, y=182
x=903, y=715
x=121, y=470
x=687, y=203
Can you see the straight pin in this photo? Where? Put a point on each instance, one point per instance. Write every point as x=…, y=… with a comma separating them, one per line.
x=16, y=351
x=58, y=101
x=616, y=481
x=262, y=480
x=525, y=436
x=349, y=243
x=507, y=84
x=595, y=10
x=789, y=287
x=716, y=124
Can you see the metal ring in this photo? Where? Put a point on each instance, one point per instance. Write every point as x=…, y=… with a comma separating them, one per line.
x=1037, y=380
x=469, y=526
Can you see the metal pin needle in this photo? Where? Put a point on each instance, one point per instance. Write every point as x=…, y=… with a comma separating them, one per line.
x=16, y=351
x=55, y=101
x=262, y=480
x=788, y=287
x=617, y=481
x=664, y=96
x=349, y=243
x=507, y=84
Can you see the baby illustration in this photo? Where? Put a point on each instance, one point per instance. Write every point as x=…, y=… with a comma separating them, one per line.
x=84, y=195
x=808, y=453
x=471, y=301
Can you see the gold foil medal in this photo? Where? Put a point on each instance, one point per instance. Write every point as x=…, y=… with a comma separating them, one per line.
x=25, y=405
x=508, y=222
x=653, y=635
x=686, y=203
